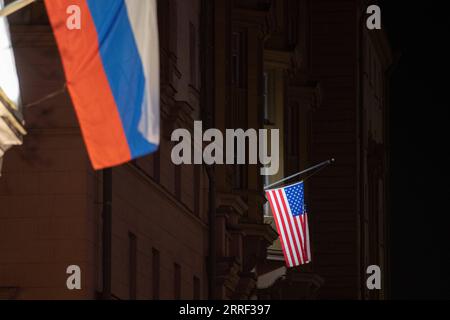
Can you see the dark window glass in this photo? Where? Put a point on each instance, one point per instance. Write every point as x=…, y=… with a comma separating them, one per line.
x=196, y=288
x=155, y=273
x=177, y=282
x=193, y=53
x=132, y=265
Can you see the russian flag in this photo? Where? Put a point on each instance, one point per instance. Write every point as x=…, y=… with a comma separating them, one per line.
x=112, y=70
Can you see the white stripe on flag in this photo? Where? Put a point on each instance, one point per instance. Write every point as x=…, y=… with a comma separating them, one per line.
x=144, y=23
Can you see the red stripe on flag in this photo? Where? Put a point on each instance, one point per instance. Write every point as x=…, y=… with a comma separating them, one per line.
x=307, y=244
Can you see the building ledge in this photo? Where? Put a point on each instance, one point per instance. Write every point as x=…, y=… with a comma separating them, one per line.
x=262, y=230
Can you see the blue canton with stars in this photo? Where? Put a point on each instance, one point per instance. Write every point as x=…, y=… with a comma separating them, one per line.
x=295, y=198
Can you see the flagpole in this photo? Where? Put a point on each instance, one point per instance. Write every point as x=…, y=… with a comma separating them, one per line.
x=14, y=7
x=318, y=166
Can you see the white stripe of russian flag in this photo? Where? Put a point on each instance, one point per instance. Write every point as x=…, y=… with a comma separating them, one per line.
x=144, y=23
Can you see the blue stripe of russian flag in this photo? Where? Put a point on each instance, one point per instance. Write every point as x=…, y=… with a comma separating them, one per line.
x=129, y=75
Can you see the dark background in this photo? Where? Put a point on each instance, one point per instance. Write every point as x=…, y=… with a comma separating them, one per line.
x=419, y=124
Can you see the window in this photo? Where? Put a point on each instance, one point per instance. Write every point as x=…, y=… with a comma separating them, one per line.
x=9, y=81
x=269, y=120
x=196, y=294
x=237, y=117
x=167, y=23
x=193, y=53
x=155, y=273
x=293, y=121
x=237, y=58
x=197, y=186
x=177, y=282
x=178, y=177
x=269, y=98
x=132, y=268
x=294, y=126
x=157, y=166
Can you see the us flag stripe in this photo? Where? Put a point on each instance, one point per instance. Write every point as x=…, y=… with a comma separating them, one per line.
x=280, y=229
x=287, y=230
x=303, y=225
x=308, y=248
x=301, y=230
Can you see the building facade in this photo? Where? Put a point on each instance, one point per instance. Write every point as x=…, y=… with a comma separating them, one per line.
x=153, y=230
x=334, y=87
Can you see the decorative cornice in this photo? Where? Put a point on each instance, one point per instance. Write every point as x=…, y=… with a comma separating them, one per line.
x=246, y=286
x=262, y=230
x=278, y=58
x=258, y=17
x=232, y=201
x=228, y=273
x=307, y=285
x=313, y=280
x=178, y=114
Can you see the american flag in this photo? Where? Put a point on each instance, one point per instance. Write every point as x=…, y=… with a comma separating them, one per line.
x=288, y=208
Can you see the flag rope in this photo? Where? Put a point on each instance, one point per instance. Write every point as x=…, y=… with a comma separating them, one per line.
x=47, y=97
